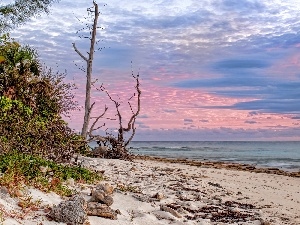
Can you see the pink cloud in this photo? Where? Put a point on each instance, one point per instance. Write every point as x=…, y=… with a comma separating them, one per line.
x=168, y=108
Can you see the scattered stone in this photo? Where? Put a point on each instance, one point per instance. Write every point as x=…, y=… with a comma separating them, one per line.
x=170, y=210
x=141, y=198
x=72, y=211
x=102, y=210
x=215, y=185
x=102, y=194
x=133, y=169
x=158, y=196
x=163, y=215
x=263, y=222
x=18, y=193
x=4, y=190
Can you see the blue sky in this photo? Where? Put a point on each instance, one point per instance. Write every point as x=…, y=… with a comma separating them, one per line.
x=210, y=70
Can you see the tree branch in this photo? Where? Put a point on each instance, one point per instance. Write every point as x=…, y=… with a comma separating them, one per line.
x=79, y=53
x=133, y=117
x=92, y=137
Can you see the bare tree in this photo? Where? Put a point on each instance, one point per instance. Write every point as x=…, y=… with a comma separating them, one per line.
x=114, y=146
x=89, y=67
x=111, y=146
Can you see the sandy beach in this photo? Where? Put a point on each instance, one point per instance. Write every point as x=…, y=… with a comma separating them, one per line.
x=168, y=192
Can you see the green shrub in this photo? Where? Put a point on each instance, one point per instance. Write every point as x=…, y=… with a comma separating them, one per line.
x=32, y=101
x=21, y=169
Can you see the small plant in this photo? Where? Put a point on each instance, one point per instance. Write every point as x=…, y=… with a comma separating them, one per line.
x=27, y=203
x=20, y=169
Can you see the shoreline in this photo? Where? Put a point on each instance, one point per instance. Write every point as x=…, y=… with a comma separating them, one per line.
x=221, y=165
x=269, y=154
x=150, y=190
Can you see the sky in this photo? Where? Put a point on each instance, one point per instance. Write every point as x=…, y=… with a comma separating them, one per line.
x=209, y=70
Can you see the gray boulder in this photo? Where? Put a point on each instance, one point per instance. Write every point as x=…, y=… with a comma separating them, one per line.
x=72, y=211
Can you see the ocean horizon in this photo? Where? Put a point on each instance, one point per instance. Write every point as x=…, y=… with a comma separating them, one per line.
x=283, y=155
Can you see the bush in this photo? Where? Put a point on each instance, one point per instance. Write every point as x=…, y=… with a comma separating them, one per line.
x=21, y=169
x=32, y=101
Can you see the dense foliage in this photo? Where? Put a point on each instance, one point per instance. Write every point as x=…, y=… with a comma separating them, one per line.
x=20, y=11
x=32, y=101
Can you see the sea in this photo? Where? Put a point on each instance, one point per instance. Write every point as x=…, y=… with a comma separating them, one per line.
x=284, y=155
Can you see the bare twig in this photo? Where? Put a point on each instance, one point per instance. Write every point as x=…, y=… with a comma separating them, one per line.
x=92, y=137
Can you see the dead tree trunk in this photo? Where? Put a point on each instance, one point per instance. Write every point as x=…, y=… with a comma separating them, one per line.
x=89, y=68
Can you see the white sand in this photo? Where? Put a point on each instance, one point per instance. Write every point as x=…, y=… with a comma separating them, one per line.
x=276, y=198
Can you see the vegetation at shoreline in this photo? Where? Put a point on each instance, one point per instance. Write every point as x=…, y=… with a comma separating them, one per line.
x=19, y=170
x=32, y=100
x=33, y=134
x=34, y=139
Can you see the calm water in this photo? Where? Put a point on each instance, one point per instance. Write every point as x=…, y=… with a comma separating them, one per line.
x=283, y=155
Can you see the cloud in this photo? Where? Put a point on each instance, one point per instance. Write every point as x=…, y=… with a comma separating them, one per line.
x=250, y=121
x=253, y=113
x=242, y=6
x=188, y=19
x=204, y=121
x=170, y=110
x=250, y=79
x=144, y=116
x=287, y=106
x=188, y=120
x=240, y=64
x=219, y=134
x=227, y=54
x=143, y=126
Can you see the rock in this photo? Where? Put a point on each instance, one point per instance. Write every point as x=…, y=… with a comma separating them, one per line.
x=4, y=190
x=159, y=196
x=107, y=188
x=141, y=198
x=215, y=185
x=102, y=194
x=170, y=210
x=102, y=210
x=18, y=193
x=72, y=211
x=133, y=169
x=263, y=222
x=161, y=215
